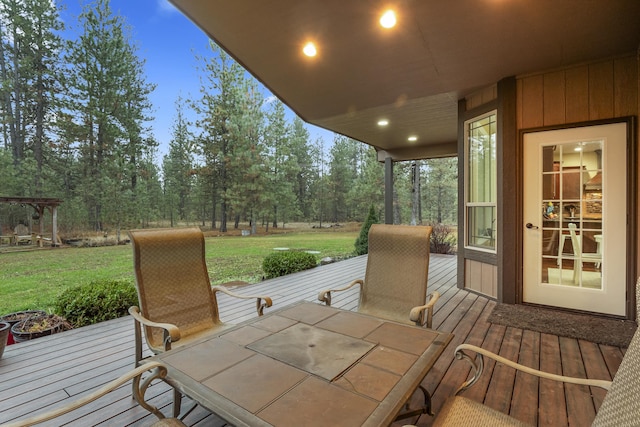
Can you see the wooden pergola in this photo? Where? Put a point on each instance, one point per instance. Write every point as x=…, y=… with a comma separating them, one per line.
x=39, y=204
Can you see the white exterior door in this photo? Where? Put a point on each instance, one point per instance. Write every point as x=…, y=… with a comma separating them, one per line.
x=575, y=194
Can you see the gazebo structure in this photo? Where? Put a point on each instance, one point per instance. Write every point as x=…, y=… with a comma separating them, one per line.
x=39, y=204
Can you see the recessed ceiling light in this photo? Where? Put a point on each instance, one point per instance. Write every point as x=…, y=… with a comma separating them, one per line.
x=388, y=19
x=309, y=49
x=412, y=138
x=383, y=122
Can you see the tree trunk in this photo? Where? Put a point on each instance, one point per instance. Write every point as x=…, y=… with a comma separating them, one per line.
x=223, y=216
x=213, y=212
x=275, y=217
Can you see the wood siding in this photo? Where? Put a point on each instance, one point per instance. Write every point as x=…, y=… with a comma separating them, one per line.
x=481, y=277
x=601, y=90
x=597, y=91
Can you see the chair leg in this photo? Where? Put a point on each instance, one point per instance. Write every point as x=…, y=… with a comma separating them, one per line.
x=177, y=403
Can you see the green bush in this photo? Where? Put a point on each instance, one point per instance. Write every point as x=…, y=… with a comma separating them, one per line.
x=362, y=242
x=286, y=262
x=96, y=302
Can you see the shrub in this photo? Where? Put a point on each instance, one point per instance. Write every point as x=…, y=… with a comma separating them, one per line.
x=286, y=262
x=443, y=239
x=96, y=302
x=362, y=242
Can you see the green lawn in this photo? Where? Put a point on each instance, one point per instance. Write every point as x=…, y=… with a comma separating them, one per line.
x=33, y=280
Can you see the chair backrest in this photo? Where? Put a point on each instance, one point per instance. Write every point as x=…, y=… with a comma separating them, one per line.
x=172, y=280
x=397, y=270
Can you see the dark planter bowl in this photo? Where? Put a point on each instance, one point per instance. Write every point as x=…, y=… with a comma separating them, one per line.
x=26, y=336
x=5, y=327
x=20, y=335
x=13, y=318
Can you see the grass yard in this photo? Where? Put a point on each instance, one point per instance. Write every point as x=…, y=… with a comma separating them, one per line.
x=33, y=279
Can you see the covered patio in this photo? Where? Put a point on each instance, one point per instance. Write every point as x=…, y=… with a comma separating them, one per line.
x=475, y=80
x=46, y=372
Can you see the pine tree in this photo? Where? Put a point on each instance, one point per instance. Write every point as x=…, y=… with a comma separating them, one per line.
x=106, y=112
x=342, y=175
x=217, y=108
x=440, y=193
x=283, y=165
x=178, y=168
x=302, y=175
x=362, y=242
x=30, y=83
x=247, y=164
x=369, y=184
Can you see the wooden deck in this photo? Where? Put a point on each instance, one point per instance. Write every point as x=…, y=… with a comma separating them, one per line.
x=45, y=372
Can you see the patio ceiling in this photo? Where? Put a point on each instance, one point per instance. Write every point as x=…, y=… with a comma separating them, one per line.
x=413, y=74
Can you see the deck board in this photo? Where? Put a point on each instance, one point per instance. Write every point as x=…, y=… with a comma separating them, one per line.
x=43, y=373
x=526, y=385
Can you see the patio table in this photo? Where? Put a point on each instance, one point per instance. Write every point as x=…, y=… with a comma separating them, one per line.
x=306, y=364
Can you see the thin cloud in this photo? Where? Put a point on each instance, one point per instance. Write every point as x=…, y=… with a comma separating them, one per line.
x=165, y=7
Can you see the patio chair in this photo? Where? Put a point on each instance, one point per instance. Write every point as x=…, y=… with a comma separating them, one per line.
x=177, y=302
x=395, y=282
x=139, y=386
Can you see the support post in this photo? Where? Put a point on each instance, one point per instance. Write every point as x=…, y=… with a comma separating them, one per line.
x=54, y=226
x=388, y=190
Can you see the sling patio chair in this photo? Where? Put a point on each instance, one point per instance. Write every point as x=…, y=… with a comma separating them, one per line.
x=177, y=302
x=140, y=386
x=395, y=281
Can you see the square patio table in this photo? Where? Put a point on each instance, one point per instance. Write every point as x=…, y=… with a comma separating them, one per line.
x=306, y=364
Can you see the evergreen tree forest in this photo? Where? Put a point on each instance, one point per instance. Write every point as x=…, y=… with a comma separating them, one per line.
x=76, y=125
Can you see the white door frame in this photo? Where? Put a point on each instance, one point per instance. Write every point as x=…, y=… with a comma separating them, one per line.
x=611, y=299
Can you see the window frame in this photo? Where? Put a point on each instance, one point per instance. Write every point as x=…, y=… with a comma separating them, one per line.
x=467, y=185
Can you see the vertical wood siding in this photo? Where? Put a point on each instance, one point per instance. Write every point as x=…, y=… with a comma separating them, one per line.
x=596, y=91
x=481, y=277
x=600, y=90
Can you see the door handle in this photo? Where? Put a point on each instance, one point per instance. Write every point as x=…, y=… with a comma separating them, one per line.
x=531, y=226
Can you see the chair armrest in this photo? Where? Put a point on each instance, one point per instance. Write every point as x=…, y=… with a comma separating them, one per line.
x=171, y=332
x=260, y=306
x=158, y=370
x=477, y=369
x=325, y=296
x=417, y=314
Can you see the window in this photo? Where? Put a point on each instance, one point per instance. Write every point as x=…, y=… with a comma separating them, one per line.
x=481, y=182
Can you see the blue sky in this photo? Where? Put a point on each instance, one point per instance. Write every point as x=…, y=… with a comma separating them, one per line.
x=168, y=42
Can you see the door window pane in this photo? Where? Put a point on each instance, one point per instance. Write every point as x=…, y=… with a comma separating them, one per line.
x=572, y=214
